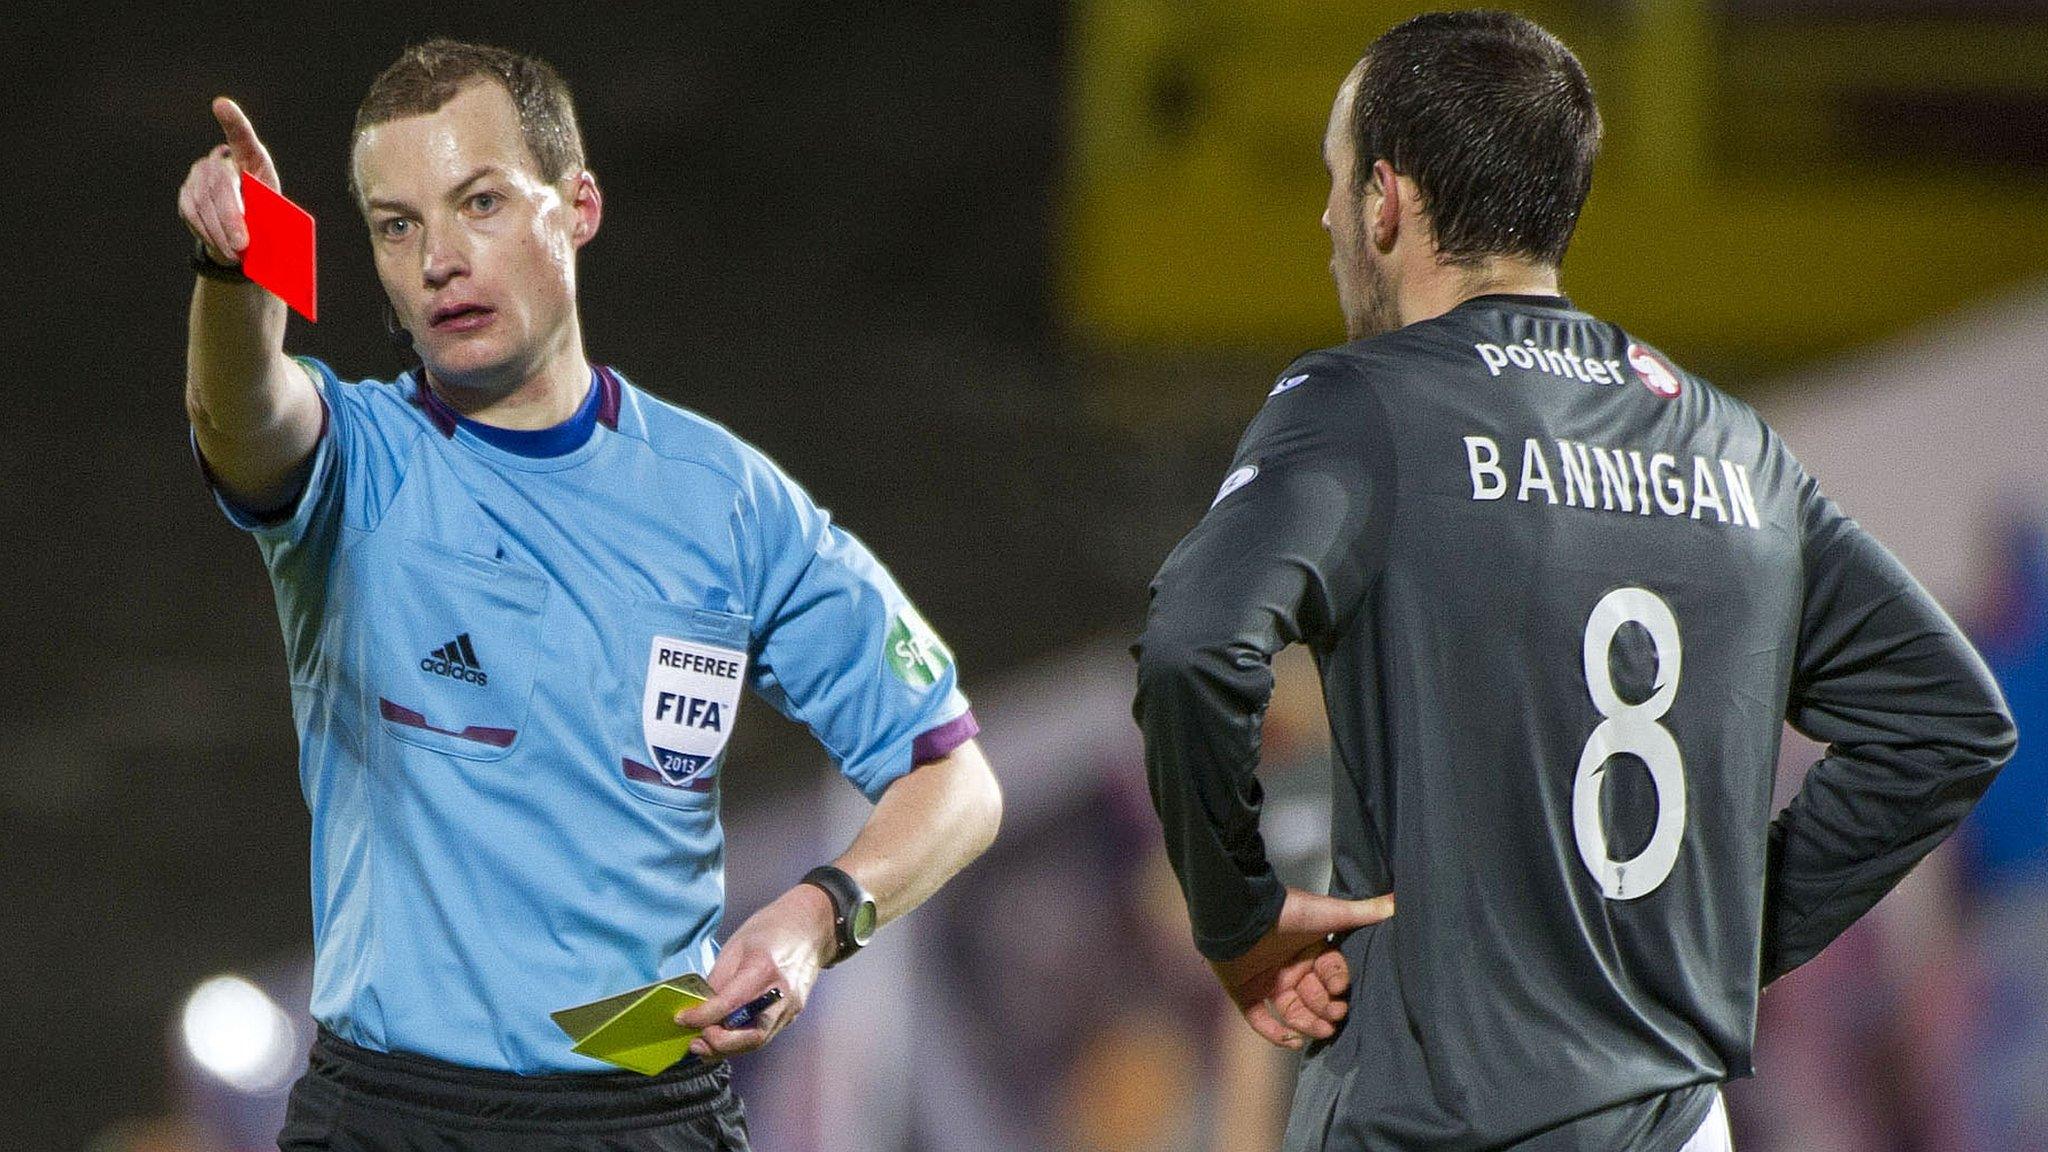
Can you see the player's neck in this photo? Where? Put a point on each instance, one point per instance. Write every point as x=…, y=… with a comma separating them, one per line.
x=541, y=395
x=1444, y=287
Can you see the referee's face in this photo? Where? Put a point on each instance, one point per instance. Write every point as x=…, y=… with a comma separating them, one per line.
x=476, y=251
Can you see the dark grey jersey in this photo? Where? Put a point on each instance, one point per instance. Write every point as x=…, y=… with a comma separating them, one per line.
x=1562, y=594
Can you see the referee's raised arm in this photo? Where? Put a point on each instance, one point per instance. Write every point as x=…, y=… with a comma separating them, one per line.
x=254, y=412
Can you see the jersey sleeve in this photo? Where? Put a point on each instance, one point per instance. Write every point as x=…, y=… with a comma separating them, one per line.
x=838, y=647
x=356, y=467
x=1285, y=554
x=319, y=478
x=1915, y=729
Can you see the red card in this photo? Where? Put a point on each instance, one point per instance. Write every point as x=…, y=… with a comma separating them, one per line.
x=280, y=251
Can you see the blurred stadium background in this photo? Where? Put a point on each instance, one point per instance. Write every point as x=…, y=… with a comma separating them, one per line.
x=1001, y=284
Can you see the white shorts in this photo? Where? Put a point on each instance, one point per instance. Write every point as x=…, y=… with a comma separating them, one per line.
x=1713, y=1135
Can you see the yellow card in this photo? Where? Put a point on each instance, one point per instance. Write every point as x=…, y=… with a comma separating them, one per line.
x=637, y=1029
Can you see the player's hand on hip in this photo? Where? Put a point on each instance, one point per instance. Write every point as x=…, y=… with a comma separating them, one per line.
x=781, y=946
x=1290, y=986
x=211, y=200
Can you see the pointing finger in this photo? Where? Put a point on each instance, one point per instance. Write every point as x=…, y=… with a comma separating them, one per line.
x=234, y=123
x=248, y=152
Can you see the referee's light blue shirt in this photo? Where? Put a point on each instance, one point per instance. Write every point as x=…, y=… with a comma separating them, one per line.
x=515, y=662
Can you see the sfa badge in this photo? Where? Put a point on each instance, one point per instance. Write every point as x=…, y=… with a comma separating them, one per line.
x=915, y=652
x=691, y=701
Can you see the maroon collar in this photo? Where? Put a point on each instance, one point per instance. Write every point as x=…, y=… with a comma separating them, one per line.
x=610, y=393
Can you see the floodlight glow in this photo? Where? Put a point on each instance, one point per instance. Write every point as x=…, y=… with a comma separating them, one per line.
x=238, y=1034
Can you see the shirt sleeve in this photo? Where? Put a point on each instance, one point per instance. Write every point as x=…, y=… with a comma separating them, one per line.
x=356, y=467
x=320, y=478
x=838, y=647
x=1915, y=729
x=1285, y=554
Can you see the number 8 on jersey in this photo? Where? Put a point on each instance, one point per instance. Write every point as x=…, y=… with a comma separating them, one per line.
x=1635, y=730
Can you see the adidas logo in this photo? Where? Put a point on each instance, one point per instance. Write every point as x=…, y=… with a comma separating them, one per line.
x=457, y=661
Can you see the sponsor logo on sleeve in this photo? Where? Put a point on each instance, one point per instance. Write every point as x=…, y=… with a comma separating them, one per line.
x=1234, y=481
x=915, y=652
x=1284, y=385
x=690, y=705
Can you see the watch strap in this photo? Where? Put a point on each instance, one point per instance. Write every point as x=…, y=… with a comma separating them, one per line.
x=204, y=264
x=847, y=896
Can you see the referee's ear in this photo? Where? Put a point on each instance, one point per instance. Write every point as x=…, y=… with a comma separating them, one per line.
x=588, y=205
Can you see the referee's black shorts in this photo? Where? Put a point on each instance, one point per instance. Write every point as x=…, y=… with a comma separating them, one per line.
x=352, y=1099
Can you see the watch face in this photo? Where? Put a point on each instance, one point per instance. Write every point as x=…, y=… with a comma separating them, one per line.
x=863, y=922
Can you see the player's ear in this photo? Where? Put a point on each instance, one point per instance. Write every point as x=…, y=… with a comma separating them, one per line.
x=1385, y=203
x=588, y=205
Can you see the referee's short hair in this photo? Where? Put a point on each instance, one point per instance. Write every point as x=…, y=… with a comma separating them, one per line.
x=1494, y=120
x=427, y=75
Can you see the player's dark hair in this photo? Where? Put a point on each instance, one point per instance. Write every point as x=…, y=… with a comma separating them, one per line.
x=1494, y=120
x=425, y=76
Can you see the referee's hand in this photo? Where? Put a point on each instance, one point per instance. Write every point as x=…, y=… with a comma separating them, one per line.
x=781, y=946
x=210, y=202
x=1291, y=985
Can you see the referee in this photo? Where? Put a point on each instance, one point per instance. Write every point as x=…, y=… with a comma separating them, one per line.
x=1562, y=594
x=520, y=598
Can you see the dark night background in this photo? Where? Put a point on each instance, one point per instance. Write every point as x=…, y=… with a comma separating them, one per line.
x=825, y=225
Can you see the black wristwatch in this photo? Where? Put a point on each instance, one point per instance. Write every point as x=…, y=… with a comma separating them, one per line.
x=853, y=910
x=204, y=264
